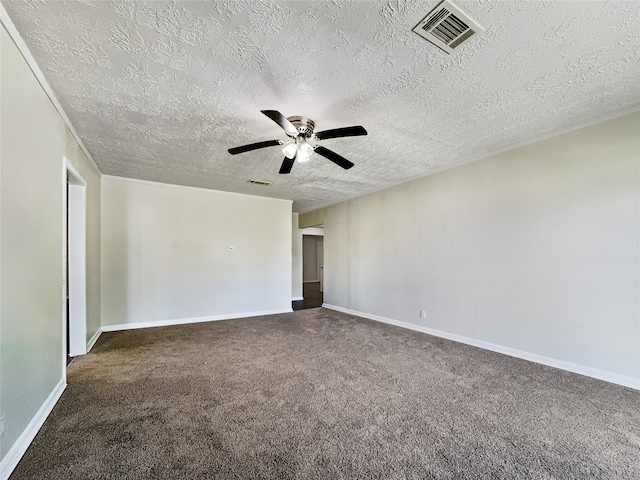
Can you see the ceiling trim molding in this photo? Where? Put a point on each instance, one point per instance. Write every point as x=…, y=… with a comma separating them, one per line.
x=24, y=50
x=186, y=187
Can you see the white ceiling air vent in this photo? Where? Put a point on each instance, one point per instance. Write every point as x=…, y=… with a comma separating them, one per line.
x=447, y=26
x=259, y=182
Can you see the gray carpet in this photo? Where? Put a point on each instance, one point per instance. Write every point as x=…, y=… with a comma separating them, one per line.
x=317, y=394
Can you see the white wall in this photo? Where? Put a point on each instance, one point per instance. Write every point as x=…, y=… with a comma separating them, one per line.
x=33, y=145
x=165, y=255
x=34, y=141
x=296, y=259
x=536, y=249
x=318, y=231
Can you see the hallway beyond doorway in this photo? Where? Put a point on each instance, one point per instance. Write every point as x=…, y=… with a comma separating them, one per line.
x=312, y=297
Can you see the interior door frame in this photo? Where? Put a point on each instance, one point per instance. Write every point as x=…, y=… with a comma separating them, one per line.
x=77, y=276
x=320, y=261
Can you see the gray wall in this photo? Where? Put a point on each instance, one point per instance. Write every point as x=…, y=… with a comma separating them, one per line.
x=535, y=249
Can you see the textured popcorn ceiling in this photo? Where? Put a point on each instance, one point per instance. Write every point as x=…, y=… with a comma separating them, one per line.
x=159, y=90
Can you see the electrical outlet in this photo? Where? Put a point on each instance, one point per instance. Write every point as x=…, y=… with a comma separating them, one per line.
x=423, y=314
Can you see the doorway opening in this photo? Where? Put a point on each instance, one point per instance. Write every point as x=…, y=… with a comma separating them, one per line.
x=312, y=268
x=75, y=263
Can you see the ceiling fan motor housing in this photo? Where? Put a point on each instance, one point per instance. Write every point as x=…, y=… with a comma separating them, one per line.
x=304, y=125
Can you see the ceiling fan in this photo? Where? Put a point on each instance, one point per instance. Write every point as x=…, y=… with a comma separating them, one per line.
x=300, y=131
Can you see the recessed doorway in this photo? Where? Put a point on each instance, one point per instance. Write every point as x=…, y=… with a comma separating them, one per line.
x=75, y=284
x=312, y=269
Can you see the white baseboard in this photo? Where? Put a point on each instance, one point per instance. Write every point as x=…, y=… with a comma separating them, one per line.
x=618, y=379
x=13, y=456
x=295, y=299
x=184, y=321
x=93, y=340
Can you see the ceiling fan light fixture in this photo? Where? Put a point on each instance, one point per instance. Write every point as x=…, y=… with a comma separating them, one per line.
x=305, y=151
x=290, y=150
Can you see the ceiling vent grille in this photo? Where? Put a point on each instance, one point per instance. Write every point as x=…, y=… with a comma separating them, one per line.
x=447, y=26
x=259, y=182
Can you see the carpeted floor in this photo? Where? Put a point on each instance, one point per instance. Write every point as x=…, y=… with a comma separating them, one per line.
x=318, y=394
